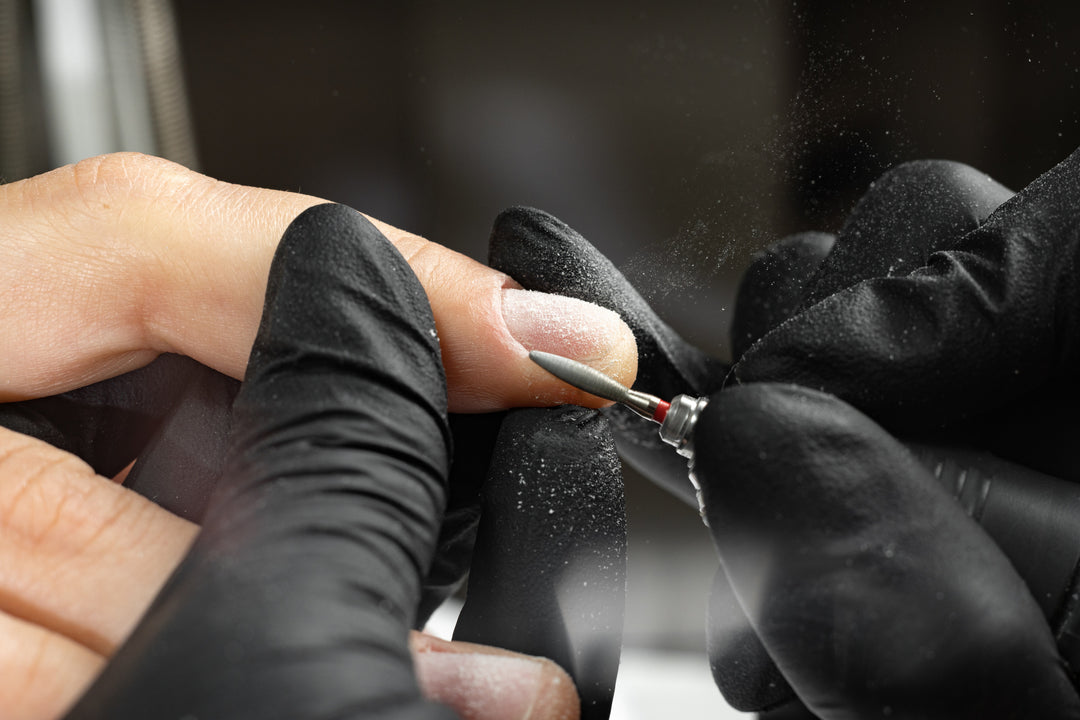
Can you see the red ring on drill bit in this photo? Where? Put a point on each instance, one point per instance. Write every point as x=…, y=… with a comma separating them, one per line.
x=661, y=411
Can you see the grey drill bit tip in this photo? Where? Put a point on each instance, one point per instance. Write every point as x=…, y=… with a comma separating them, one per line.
x=597, y=383
x=677, y=418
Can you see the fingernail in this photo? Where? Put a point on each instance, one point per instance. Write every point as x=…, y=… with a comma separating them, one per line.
x=561, y=325
x=481, y=686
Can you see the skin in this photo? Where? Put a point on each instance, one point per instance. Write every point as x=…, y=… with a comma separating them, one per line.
x=109, y=263
x=119, y=258
x=81, y=558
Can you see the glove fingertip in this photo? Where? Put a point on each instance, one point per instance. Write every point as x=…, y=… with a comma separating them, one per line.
x=549, y=572
x=772, y=288
x=543, y=253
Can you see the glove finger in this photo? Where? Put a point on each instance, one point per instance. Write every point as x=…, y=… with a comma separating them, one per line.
x=772, y=288
x=475, y=437
x=549, y=572
x=909, y=213
x=296, y=598
x=978, y=327
x=1034, y=519
x=543, y=253
x=109, y=423
x=741, y=666
x=867, y=584
x=181, y=464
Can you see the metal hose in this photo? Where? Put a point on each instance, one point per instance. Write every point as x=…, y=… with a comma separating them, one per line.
x=169, y=107
x=14, y=155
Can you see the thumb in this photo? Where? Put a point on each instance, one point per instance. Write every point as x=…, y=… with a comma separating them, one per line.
x=296, y=599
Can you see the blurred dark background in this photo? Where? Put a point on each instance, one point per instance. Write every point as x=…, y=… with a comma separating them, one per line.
x=689, y=132
x=680, y=137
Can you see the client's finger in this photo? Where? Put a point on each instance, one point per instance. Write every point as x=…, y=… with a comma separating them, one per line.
x=41, y=672
x=485, y=683
x=80, y=556
x=80, y=559
x=134, y=255
x=487, y=324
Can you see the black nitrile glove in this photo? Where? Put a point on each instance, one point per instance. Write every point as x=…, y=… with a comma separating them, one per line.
x=537, y=518
x=548, y=575
x=296, y=598
x=172, y=414
x=173, y=417
x=985, y=330
x=962, y=346
x=543, y=253
x=866, y=581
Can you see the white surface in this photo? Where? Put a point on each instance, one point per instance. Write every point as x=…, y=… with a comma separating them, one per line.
x=75, y=79
x=656, y=685
x=442, y=621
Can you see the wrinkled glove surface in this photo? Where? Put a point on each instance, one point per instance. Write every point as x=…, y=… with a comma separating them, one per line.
x=297, y=596
x=548, y=574
x=849, y=571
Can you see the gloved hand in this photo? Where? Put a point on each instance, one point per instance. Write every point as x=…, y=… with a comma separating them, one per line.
x=175, y=416
x=955, y=352
x=845, y=560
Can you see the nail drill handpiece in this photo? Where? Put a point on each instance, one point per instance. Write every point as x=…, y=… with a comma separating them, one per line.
x=676, y=418
x=1023, y=510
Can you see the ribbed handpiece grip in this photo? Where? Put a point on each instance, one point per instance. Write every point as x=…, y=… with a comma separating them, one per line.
x=1033, y=517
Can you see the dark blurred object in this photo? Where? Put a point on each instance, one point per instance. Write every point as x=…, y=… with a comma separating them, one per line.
x=696, y=134
x=23, y=147
x=85, y=77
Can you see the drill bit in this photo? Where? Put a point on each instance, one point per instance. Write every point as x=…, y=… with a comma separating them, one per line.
x=597, y=383
x=677, y=418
